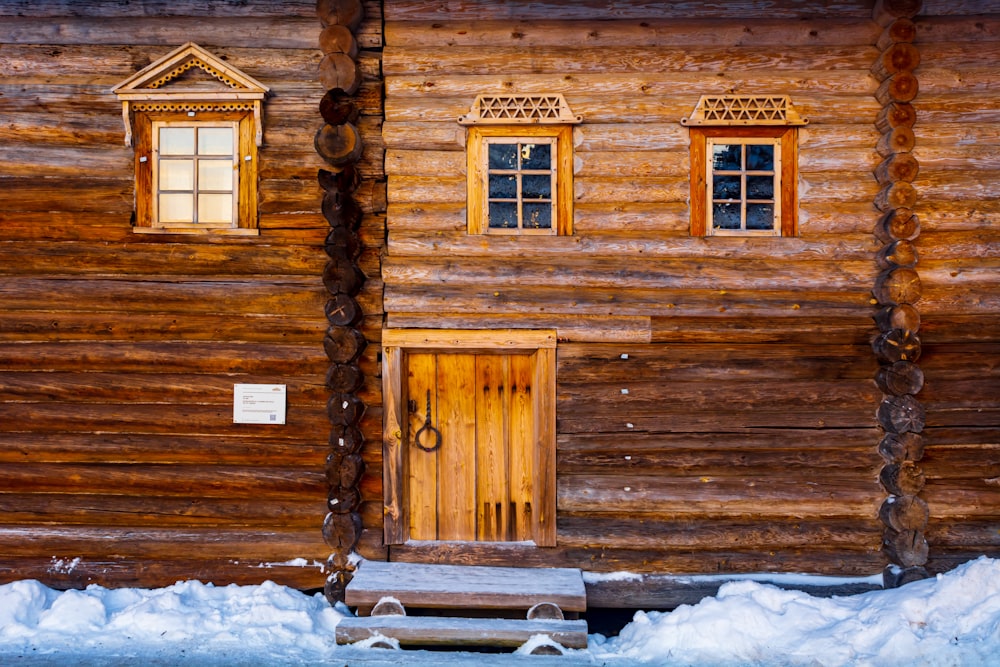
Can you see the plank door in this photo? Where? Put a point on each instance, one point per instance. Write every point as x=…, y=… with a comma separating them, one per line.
x=472, y=458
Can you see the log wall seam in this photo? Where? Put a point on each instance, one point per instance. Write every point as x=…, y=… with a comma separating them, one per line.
x=339, y=143
x=904, y=514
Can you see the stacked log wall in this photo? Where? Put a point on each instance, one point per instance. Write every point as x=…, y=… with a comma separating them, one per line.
x=958, y=149
x=715, y=398
x=119, y=459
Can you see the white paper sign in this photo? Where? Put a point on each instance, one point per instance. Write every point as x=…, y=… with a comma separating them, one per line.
x=258, y=404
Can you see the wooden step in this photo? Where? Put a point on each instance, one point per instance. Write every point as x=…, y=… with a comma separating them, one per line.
x=452, y=631
x=465, y=587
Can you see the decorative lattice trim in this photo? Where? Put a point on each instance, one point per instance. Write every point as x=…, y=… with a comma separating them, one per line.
x=194, y=62
x=193, y=106
x=744, y=110
x=519, y=109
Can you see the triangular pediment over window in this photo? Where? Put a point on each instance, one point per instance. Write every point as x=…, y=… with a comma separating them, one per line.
x=190, y=78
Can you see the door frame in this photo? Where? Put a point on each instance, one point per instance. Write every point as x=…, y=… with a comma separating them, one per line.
x=396, y=344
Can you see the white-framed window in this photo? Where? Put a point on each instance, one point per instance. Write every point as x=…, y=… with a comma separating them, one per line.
x=195, y=174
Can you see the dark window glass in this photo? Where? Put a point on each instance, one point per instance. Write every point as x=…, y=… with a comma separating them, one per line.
x=536, y=187
x=760, y=216
x=503, y=215
x=760, y=157
x=726, y=216
x=726, y=187
x=503, y=186
x=536, y=156
x=727, y=157
x=760, y=187
x=537, y=216
x=503, y=156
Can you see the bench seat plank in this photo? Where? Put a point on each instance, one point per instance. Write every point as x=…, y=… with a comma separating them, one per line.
x=445, y=631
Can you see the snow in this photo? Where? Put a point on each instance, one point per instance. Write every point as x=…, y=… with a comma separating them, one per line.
x=952, y=619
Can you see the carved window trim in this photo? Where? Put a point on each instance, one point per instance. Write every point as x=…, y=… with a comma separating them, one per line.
x=160, y=94
x=744, y=120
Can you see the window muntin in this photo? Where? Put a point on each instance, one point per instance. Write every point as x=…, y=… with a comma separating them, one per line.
x=520, y=180
x=744, y=180
x=195, y=174
x=521, y=174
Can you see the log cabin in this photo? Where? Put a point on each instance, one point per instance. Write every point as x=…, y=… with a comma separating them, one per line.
x=669, y=288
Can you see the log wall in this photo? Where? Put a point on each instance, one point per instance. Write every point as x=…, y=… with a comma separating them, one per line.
x=716, y=396
x=959, y=248
x=119, y=461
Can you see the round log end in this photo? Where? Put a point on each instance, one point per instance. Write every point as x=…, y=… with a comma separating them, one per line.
x=338, y=144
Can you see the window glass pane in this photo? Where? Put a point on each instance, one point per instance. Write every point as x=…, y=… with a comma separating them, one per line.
x=727, y=157
x=215, y=141
x=503, y=215
x=760, y=187
x=536, y=187
x=176, y=141
x=536, y=156
x=176, y=175
x=176, y=207
x=503, y=156
x=215, y=208
x=760, y=216
x=760, y=157
x=726, y=187
x=503, y=187
x=726, y=216
x=215, y=175
x=537, y=216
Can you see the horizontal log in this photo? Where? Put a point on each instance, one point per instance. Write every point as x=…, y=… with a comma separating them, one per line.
x=165, y=357
x=636, y=364
x=721, y=274
x=146, y=572
x=896, y=140
x=536, y=300
x=258, y=545
x=894, y=346
x=840, y=562
x=897, y=167
x=244, y=449
x=897, y=224
x=898, y=57
x=607, y=32
x=837, y=330
x=900, y=378
x=112, y=510
x=903, y=513
x=902, y=479
x=760, y=497
x=899, y=447
x=895, y=254
x=569, y=327
x=428, y=10
x=906, y=548
x=88, y=386
x=895, y=286
x=895, y=115
x=901, y=414
x=713, y=533
x=204, y=481
x=901, y=30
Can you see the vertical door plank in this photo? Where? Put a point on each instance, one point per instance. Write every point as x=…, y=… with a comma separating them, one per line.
x=521, y=444
x=545, y=447
x=456, y=397
x=422, y=473
x=491, y=449
x=394, y=441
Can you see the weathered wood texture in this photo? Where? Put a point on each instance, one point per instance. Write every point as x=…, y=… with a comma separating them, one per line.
x=715, y=396
x=960, y=318
x=118, y=351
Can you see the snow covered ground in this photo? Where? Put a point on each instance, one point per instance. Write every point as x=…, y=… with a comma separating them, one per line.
x=953, y=619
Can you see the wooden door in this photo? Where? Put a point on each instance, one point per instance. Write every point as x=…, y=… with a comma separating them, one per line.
x=472, y=458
